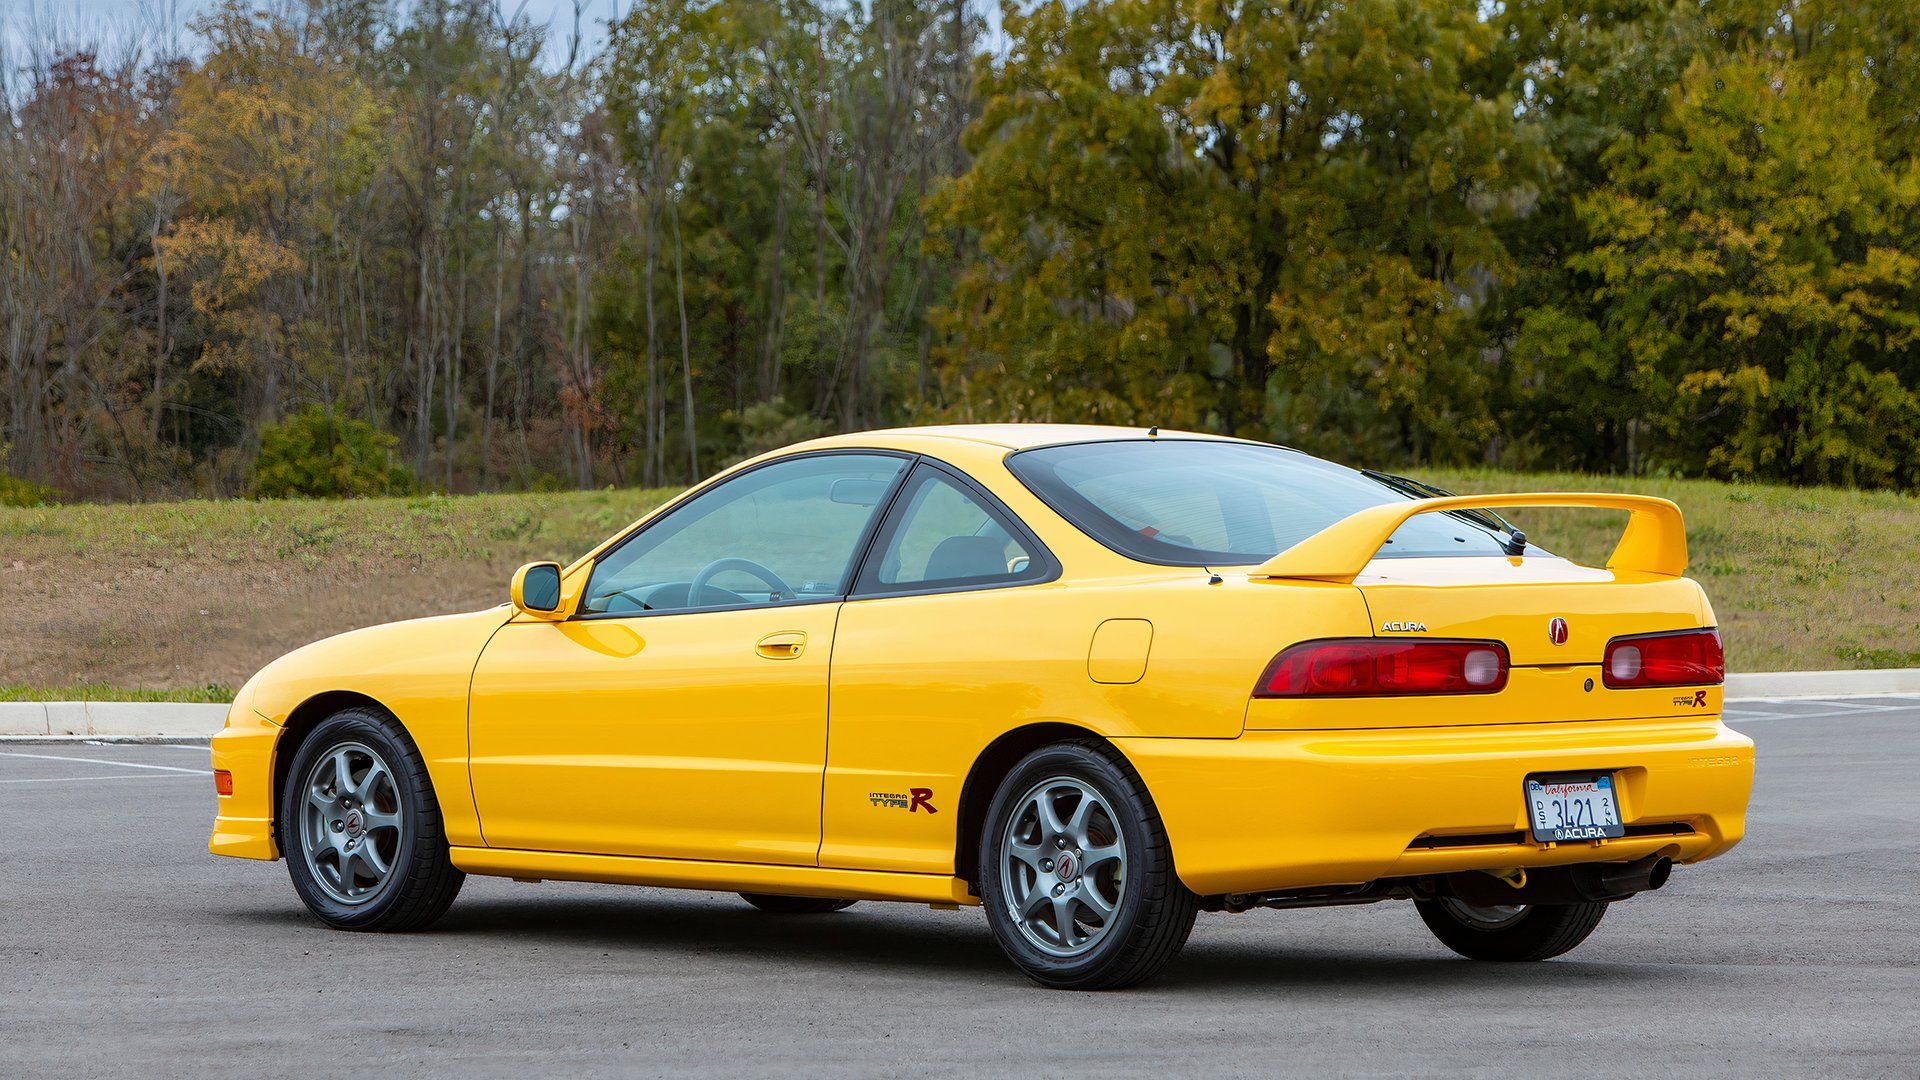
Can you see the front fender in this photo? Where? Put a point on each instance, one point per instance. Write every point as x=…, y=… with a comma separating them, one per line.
x=419, y=670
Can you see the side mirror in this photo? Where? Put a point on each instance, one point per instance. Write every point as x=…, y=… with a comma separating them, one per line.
x=536, y=590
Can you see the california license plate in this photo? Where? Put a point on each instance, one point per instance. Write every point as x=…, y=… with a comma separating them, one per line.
x=1580, y=807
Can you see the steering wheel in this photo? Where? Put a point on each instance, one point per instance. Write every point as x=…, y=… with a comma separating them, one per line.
x=780, y=588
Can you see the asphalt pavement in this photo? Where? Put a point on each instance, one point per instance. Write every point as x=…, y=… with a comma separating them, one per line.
x=125, y=949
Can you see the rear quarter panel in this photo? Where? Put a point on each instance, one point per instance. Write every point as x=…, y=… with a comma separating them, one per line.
x=923, y=684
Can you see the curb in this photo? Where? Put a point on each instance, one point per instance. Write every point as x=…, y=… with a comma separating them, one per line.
x=112, y=719
x=178, y=720
x=1793, y=684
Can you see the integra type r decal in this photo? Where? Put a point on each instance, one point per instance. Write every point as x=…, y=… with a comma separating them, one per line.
x=919, y=798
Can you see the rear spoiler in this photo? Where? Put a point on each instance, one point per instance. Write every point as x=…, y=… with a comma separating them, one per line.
x=1655, y=541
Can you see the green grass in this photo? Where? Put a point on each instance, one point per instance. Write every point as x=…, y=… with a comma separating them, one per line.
x=421, y=530
x=180, y=601
x=212, y=693
x=157, y=600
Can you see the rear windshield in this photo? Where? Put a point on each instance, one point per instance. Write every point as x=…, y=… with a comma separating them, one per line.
x=1192, y=503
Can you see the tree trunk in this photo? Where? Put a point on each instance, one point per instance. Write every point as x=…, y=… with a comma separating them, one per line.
x=773, y=343
x=652, y=453
x=686, y=355
x=493, y=354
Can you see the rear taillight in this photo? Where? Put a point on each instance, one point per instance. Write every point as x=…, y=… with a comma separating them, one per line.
x=1370, y=667
x=222, y=782
x=1689, y=658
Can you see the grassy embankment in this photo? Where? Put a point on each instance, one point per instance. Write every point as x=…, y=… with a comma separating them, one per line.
x=182, y=601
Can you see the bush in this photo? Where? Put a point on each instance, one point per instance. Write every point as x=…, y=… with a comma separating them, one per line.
x=17, y=492
x=315, y=454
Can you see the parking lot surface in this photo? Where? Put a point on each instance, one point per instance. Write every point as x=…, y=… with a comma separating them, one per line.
x=125, y=949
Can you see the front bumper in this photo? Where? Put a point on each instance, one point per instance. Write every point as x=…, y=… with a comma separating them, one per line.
x=1279, y=810
x=243, y=828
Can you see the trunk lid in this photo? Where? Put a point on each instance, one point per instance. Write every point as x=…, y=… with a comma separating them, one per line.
x=1513, y=601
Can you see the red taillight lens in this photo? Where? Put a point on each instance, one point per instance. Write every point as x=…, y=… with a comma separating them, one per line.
x=1689, y=658
x=1370, y=667
x=222, y=782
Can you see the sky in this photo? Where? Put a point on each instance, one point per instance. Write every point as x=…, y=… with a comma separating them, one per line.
x=118, y=24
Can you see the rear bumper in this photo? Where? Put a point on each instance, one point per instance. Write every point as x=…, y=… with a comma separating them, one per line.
x=1297, y=809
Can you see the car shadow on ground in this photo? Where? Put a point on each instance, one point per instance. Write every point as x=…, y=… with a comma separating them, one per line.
x=868, y=935
x=884, y=937
x=1294, y=967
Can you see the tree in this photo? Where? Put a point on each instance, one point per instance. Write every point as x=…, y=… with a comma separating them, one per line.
x=1238, y=217
x=1751, y=258
x=273, y=145
x=1721, y=275
x=1634, y=235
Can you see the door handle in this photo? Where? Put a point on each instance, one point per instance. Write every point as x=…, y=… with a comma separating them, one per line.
x=782, y=646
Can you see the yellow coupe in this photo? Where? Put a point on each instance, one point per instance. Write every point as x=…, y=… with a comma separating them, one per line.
x=1094, y=679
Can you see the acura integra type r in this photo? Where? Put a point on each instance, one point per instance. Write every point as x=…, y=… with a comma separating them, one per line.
x=1093, y=679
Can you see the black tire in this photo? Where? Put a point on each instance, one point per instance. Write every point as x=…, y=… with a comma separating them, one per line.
x=796, y=905
x=422, y=881
x=1153, y=912
x=1539, y=932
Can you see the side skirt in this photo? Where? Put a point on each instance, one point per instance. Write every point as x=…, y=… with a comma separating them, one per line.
x=716, y=876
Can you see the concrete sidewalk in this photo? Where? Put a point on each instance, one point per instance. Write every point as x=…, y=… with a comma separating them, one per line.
x=133, y=719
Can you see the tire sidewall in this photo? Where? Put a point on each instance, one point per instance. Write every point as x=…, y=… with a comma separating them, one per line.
x=1091, y=768
x=1543, y=932
x=361, y=726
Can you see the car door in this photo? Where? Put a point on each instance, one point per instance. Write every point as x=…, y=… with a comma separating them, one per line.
x=682, y=711
x=938, y=649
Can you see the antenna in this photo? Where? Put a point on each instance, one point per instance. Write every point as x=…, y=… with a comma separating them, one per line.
x=1153, y=432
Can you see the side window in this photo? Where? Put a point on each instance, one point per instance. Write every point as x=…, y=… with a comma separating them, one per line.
x=940, y=535
x=783, y=532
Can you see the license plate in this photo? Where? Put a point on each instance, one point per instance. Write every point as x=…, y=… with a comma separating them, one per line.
x=1573, y=808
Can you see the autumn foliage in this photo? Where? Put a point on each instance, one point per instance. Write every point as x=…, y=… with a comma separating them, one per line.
x=471, y=252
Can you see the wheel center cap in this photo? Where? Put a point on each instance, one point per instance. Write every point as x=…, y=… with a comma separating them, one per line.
x=1065, y=868
x=355, y=824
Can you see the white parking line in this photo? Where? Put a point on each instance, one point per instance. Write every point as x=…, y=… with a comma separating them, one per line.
x=103, y=761
x=1823, y=712
x=1820, y=708
x=203, y=748
x=76, y=779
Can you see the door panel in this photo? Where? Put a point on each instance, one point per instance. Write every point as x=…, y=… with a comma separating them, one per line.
x=675, y=736
x=922, y=681
x=921, y=684
x=683, y=712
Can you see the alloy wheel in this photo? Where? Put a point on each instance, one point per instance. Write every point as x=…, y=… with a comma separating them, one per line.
x=1063, y=867
x=1485, y=916
x=351, y=825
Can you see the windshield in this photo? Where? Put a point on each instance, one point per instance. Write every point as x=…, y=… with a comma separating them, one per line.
x=1193, y=503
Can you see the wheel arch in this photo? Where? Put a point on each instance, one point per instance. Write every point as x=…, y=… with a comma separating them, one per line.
x=302, y=720
x=989, y=768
